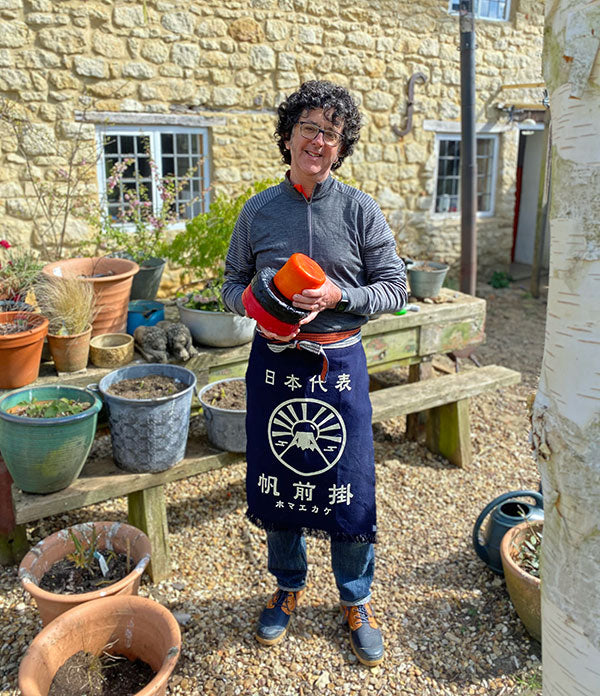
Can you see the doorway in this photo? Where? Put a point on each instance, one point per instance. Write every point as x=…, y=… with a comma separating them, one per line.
x=529, y=171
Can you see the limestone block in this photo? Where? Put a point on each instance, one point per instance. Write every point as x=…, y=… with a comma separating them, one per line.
x=229, y=175
x=334, y=39
x=18, y=207
x=379, y=101
x=211, y=28
x=286, y=61
x=39, y=5
x=182, y=23
x=112, y=88
x=287, y=80
x=40, y=19
x=12, y=80
x=38, y=139
x=226, y=96
x=13, y=34
x=131, y=105
x=276, y=30
x=262, y=58
x=47, y=112
x=155, y=51
x=38, y=59
x=246, y=29
x=108, y=45
x=385, y=43
x=76, y=131
x=360, y=39
x=375, y=67
x=10, y=189
x=430, y=48
x=128, y=16
x=310, y=35
x=185, y=55
x=6, y=59
x=139, y=71
x=90, y=67
x=170, y=71
x=62, y=39
x=61, y=79
x=11, y=4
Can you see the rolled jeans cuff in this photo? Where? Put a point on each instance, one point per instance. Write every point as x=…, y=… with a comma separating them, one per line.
x=292, y=589
x=357, y=602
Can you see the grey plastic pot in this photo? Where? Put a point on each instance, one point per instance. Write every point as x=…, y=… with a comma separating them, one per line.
x=225, y=428
x=426, y=277
x=147, y=280
x=148, y=435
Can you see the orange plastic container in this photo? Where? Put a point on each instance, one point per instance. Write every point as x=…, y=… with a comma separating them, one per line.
x=298, y=273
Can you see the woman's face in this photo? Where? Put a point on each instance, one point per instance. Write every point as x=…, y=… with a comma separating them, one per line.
x=312, y=159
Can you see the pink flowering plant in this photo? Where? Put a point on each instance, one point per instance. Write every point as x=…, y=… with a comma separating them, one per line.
x=18, y=271
x=139, y=228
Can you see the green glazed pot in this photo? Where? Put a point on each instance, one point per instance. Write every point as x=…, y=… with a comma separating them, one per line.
x=44, y=455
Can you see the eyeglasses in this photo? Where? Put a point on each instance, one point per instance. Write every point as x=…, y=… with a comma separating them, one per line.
x=310, y=132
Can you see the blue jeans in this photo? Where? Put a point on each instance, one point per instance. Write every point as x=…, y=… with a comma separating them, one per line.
x=353, y=565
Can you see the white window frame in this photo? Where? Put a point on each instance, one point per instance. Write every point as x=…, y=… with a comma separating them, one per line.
x=153, y=133
x=494, y=156
x=478, y=5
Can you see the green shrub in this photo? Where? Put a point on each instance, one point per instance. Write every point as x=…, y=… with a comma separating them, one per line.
x=201, y=248
x=500, y=279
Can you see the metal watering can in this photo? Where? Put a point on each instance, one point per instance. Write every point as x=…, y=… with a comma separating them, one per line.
x=506, y=512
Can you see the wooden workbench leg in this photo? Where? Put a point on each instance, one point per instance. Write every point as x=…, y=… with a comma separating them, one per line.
x=416, y=423
x=148, y=512
x=449, y=432
x=13, y=537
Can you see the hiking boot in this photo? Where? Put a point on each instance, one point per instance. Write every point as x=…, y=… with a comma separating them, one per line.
x=365, y=636
x=275, y=617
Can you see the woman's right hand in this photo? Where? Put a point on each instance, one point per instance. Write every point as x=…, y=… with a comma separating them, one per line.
x=277, y=337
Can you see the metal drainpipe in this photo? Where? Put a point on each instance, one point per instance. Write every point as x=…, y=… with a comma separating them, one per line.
x=468, y=151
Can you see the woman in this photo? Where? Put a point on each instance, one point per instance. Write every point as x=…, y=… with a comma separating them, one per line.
x=310, y=445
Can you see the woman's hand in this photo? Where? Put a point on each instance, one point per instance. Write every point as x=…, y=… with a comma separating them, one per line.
x=316, y=300
x=276, y=337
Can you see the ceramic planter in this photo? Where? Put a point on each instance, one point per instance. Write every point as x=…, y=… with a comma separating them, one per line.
x=111, y=536
x=523, y=588
x=70, y=353
x=21, y=353
x=149, y=435
x=45, y=455
x=139, y=627
x=217, y=329
x=111, y=279
x=111, y=350
x=225, y=428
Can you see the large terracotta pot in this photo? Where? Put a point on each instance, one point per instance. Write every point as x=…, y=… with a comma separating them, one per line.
x=111, y=535
x=21, y=353
x=70, y=353
x=111, y=279
x=523, y=588
x=138, y=627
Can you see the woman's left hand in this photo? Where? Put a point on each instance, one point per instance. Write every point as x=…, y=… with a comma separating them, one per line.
x=318, y=299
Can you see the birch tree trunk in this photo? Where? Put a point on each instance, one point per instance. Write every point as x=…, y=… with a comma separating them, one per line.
x=566, y=413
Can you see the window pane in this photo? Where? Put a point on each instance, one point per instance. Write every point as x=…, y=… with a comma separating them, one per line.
x=182, y=143
x=166, y=143
x=109, y=143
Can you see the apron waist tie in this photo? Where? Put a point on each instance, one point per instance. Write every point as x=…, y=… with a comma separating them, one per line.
x=315, y=342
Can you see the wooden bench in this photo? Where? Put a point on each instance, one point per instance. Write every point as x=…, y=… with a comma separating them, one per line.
x=448, y=433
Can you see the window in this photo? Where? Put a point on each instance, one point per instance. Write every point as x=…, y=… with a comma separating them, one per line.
x=174, y=151
x=486, y=9
x=447, y=197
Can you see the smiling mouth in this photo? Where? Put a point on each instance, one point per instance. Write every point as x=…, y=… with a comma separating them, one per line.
x=312, y=154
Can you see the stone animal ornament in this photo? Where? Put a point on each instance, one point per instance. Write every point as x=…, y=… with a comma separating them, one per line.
x=179, y=340
x=164, y=341
x=151, y=341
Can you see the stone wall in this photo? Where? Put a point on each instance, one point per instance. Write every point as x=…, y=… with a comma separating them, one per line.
x=233, y=61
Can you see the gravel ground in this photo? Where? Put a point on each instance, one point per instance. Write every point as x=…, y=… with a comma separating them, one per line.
x=448, y=623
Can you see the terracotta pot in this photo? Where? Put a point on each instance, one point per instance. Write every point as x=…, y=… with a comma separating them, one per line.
x=21, y=353
x=523, y=588
x=141, y=628
x=111, y=535
x=111, y=279
x=70, y=353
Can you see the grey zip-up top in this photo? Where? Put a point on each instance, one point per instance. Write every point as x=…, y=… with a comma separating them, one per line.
x=341, y=228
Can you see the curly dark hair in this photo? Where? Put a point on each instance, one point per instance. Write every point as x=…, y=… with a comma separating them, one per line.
x=319, y=94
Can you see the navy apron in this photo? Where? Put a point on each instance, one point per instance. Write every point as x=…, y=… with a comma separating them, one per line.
x=310, y=456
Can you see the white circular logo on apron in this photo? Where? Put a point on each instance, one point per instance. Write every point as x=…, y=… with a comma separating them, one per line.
x=300, y=426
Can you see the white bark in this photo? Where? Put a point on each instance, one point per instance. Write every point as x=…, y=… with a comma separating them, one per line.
x=566, y=414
